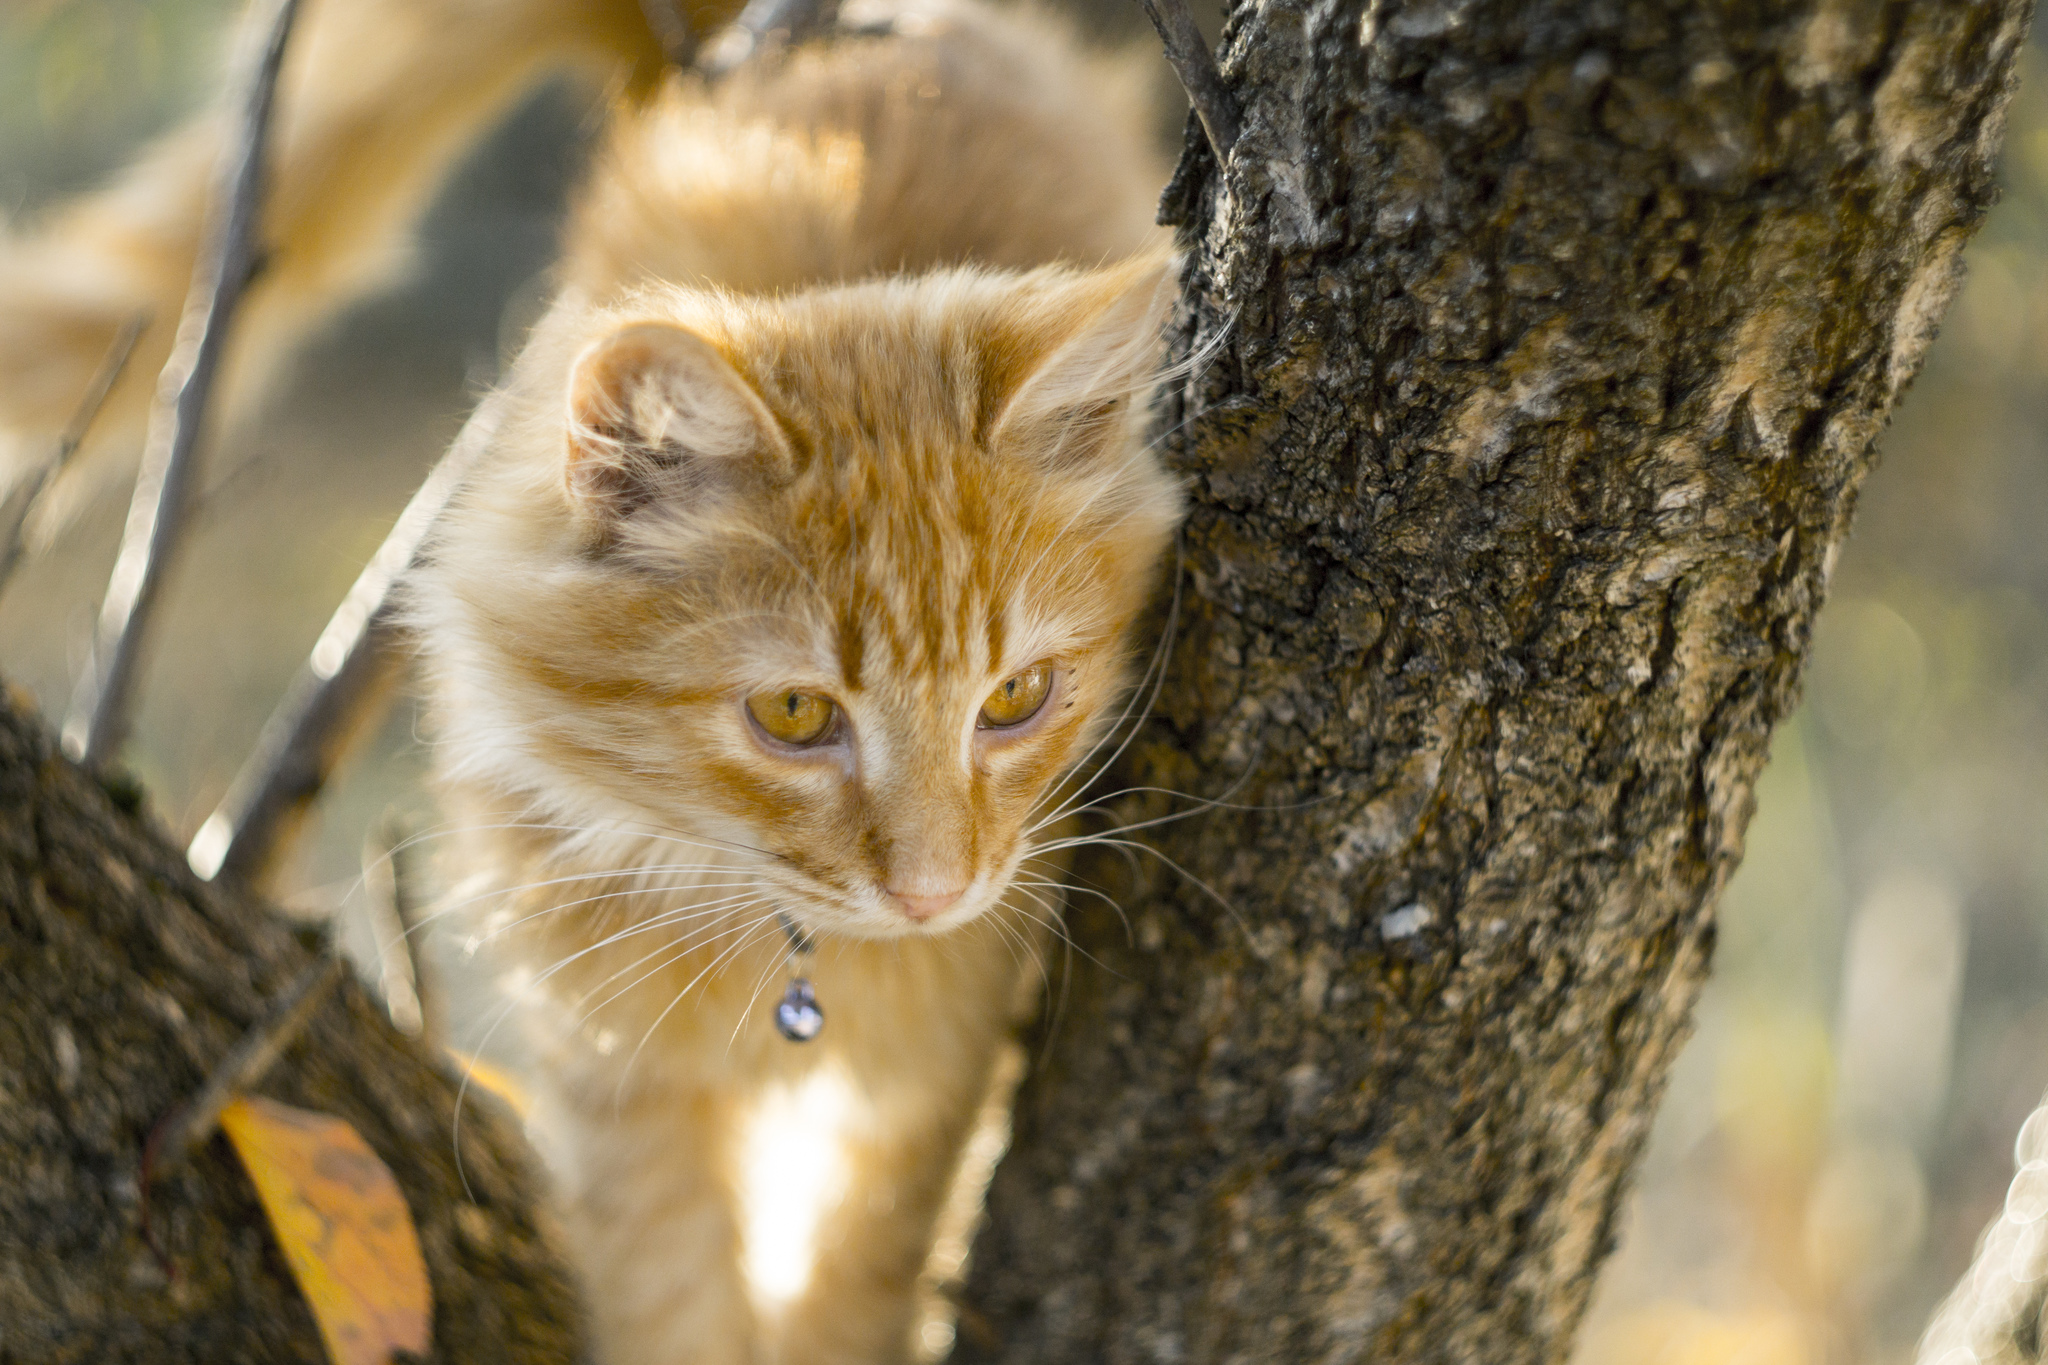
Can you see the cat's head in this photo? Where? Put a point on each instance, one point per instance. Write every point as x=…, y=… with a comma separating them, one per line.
x=837, y=584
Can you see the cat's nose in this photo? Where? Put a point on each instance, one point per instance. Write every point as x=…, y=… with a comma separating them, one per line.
x=923, y=905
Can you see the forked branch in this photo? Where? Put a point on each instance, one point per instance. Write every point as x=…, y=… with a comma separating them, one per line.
x=340, y=690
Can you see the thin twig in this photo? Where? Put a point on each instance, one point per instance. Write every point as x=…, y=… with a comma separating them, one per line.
x=395, y=921
x=672, y=29
x=766, y=26
x=243, y=1067
x=335, y=696
x=158, y=514
x=1190, y=58
x=14, y=512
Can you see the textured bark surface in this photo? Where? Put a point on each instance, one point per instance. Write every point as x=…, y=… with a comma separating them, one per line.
x=126, y=980
x=1547, y=344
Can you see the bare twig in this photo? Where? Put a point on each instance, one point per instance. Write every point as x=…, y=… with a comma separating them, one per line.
x=395, y=920
x=1190, y=58
x=672, y=30
x=101, y=706
x=1993, y=1315
x=14, y=512
x=766, y=26
x=251, y=1058
x=337, y=693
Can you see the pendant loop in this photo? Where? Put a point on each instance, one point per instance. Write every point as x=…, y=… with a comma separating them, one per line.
x=797, y=1016
x=800, y=943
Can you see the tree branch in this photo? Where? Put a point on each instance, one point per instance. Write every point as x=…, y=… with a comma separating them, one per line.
x=1994, y=1314
x=409, y=996
x=338, y=692
x=193, y=1122
x=101, y=706
x=128, y=980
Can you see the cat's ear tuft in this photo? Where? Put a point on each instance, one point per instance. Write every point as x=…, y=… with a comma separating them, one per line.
x=655, y=409
x=1098, y=371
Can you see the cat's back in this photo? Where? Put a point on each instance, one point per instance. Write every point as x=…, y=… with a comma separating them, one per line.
x=932, y=133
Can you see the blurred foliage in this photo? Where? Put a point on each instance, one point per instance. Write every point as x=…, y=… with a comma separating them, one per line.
x=1839, y=1130
x=82, y=80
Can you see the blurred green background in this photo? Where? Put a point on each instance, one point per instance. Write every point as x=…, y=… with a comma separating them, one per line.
x=1839, y=1129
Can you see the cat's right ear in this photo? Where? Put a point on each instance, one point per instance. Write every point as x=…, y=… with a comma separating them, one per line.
x=655, y=410
x=1096, y=371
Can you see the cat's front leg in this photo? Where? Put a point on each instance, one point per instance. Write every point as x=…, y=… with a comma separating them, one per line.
x=860, y=1303
x=649, y=1204
x=920, y=1029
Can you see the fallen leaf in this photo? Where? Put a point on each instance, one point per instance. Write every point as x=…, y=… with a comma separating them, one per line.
x=343, y=1225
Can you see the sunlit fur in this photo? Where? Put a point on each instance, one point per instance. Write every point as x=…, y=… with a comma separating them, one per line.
x=810, y=413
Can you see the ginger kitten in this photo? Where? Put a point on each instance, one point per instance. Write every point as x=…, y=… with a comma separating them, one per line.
x=794, y=582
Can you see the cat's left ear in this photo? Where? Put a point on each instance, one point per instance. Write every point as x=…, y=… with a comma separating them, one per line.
x=654, y=409
x=1094, y=374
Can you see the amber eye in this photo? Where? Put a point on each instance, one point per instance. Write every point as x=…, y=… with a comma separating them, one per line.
x=792, y=717
x=1018, y=698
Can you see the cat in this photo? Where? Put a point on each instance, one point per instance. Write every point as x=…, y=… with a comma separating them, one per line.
x=794, y=585
x=785, y=596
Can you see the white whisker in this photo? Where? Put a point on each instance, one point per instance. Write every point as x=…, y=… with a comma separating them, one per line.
x=751, y=936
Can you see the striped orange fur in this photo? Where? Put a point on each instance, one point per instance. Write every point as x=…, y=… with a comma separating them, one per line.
x=844, y=399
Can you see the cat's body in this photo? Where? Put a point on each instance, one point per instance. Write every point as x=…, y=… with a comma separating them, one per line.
x=804, y=437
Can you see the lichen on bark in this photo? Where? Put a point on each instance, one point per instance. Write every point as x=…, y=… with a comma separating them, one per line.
x=1540, y=349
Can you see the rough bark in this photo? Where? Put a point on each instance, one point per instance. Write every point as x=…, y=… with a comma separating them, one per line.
x=1545, y=347
x=127, y=979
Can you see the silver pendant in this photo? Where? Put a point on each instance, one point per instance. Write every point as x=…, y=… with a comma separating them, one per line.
x=797, y=1014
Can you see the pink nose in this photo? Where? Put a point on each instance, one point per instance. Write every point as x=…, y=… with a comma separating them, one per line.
x=924, y=907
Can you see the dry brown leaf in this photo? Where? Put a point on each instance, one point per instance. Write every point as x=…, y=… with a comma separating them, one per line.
x=343, y=1225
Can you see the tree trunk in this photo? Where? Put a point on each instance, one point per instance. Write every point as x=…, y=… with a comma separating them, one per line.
x=1542, y=349
x=127, y=980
